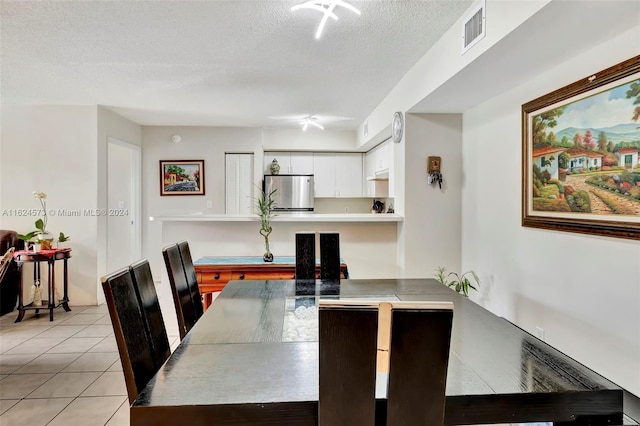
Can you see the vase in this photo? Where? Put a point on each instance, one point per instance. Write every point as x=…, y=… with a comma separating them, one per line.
x=45, y=239
x=37, y=296
x=268, y=256
x=275, y=167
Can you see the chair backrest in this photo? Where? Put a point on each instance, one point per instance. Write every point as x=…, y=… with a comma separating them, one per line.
x=305, y=256
x=192, y=280
x=418, y=361
x=409, y=340
x=329, y=256
x=143, y=280
x=347, y=364
x=182, y=298
x=127, y=318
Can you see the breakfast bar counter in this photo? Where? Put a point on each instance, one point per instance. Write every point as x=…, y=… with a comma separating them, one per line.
x=239, y=365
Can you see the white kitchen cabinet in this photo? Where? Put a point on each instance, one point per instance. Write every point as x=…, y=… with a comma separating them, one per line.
x=338, y=175
x=379, y=165
x=239, y=184
x=299, y=163
x=324, y=171
x=348, y=175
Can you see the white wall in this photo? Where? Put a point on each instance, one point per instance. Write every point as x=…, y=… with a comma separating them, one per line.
x=430, y=234
x=52, y=149
x=198, y=143
x=583, y=290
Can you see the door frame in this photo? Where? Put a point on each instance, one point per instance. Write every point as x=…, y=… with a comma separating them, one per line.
x=135, y=201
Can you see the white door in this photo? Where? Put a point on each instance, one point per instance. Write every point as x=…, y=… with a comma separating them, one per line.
x=238, y=183
x=123, y=204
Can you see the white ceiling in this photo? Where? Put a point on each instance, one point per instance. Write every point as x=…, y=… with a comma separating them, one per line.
x=215, y=63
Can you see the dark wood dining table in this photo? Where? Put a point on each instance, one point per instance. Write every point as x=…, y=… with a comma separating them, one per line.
x=235, y=368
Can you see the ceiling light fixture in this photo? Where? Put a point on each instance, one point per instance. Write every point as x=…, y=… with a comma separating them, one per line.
x=326, y=7
x=311, y=120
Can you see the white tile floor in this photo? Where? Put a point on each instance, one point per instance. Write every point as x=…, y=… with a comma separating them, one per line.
x=65, y=372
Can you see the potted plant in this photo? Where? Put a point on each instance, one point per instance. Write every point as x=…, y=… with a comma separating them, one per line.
x=264, y=204
x=459, y=283
x=62, y=239
x=42, y=238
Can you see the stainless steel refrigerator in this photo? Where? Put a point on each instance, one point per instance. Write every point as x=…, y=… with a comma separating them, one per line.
x=293, y=193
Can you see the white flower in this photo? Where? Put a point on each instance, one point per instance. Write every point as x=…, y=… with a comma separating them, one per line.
x=39, y=195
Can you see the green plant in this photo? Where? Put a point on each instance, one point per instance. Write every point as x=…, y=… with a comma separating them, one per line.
x=264, y=204
x=460, y=283
x=63, y=238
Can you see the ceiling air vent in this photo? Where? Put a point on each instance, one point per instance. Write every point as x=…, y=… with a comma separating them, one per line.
x=473, y=27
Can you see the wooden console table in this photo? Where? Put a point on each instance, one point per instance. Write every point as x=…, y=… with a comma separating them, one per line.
x=213, y=273
x=49, y=256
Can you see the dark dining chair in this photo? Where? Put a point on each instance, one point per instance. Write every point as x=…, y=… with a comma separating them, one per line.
x=192, y=280
x=330, y=256
x=305, y=256
x=418, y=362
x=408, y=340
x=143, y=281
x=130, y=330
x=182, y=297
x=347, y=364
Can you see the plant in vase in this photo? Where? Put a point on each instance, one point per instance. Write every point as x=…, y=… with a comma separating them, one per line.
x=264, y=204
x=41, y=238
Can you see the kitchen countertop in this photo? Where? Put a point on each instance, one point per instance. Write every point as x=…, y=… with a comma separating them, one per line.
x=283, y=217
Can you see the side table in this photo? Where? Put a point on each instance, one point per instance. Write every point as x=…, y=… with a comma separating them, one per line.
x=49, y=256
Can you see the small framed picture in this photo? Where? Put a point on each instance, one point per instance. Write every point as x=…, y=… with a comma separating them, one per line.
x=181, y=177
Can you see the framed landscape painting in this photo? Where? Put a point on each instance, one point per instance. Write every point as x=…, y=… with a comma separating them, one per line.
x=181, y=177
x=580, y=155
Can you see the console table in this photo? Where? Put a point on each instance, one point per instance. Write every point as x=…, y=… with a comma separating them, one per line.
x=49, y=256
x=213, y=273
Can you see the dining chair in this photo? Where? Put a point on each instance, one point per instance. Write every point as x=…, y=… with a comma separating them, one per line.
x=192, y=280
x=131, y=333
x=347, y=363
x=182, y=297
x=330, y=256
x=408, y=342
x=305, y=256
x=148, y=299
x=418, y=362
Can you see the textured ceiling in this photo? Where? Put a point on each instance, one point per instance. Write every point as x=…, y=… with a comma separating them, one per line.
x=222, y=63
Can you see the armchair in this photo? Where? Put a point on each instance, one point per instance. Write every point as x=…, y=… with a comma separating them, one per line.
x=10, y=282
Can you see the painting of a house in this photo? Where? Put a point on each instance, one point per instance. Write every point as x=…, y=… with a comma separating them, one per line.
x=182, y=177
x=584, y=154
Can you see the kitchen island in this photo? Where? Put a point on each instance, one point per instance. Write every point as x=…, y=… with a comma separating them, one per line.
x=236, y=366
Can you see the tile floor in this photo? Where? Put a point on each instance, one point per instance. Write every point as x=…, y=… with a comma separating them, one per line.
x=65, y=372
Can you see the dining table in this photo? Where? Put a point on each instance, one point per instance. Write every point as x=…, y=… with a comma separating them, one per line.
x=252, y=359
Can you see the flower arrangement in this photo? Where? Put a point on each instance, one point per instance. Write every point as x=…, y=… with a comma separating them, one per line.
x=43, y=237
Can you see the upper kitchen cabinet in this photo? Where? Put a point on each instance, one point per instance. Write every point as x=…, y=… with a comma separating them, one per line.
x=338, y=175
x=298, y=163
x=379, y=171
